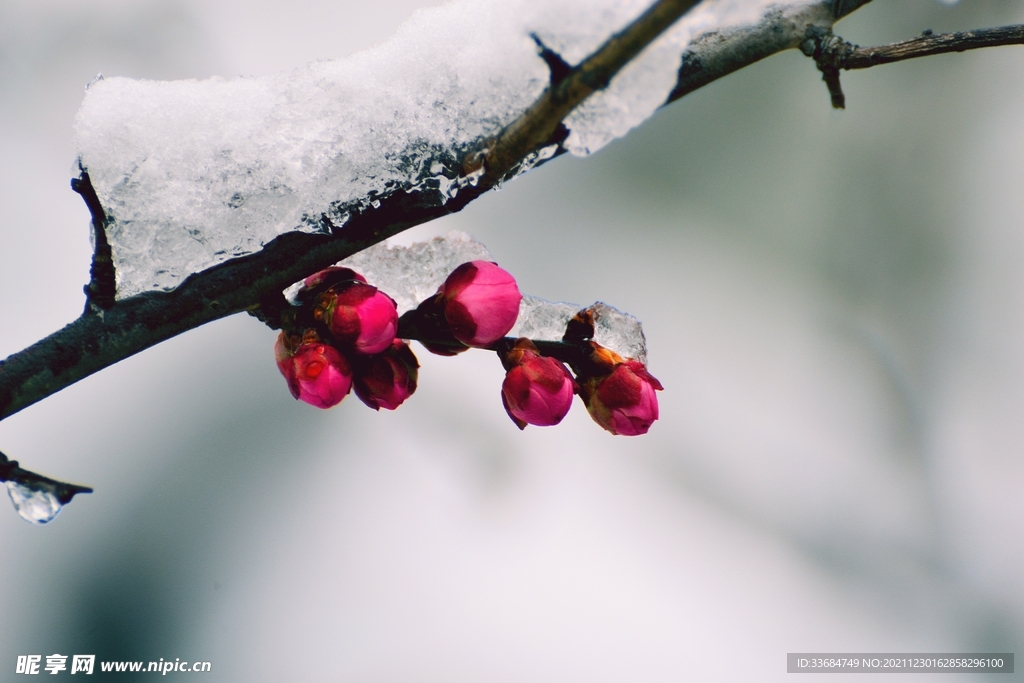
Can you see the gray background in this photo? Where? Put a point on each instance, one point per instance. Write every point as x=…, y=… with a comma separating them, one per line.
x=833, y=301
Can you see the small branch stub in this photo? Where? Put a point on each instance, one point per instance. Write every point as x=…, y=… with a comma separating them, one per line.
x=558, y=67
x=102, y=287
x=827, y=50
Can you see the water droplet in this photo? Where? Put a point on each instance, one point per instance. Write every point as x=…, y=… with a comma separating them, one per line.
x=34, y=505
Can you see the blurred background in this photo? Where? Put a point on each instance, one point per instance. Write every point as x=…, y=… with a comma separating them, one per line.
x=833, y=301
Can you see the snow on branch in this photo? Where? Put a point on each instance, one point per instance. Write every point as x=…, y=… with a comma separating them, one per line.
x=172, y=186
x=193, y=173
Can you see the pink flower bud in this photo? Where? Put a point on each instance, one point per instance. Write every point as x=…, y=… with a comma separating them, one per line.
x=537, y=390
x=481, y=302
x=316, y=373
x=622, y=401
x=360, y=315
x=387, y=379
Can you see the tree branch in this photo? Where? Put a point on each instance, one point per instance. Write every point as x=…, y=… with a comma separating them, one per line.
x=719, y=53
x=93, y=342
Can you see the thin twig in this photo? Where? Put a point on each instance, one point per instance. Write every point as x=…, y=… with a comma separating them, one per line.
x=929, y=44
x=832, y=54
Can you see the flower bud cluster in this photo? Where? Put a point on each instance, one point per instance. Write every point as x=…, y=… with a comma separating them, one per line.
x=346, y=334
x=345, y=338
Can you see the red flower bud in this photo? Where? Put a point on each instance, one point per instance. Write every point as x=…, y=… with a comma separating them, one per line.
x=537, y=390
x=387, y=379
x=359, y=315
x=481, y=302
x=316, y=373
x=623, y=400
